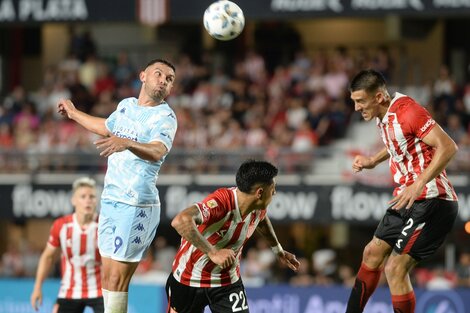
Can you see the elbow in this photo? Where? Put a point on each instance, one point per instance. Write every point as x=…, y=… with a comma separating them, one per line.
x=453, y=149
x=179, y=222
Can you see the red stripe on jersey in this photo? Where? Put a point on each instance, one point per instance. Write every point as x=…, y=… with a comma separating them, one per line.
x=68, y=244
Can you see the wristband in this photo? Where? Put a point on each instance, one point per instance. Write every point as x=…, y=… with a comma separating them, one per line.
x=277, y=249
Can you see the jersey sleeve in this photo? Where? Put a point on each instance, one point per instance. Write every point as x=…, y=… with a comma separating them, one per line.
x=111, y=120
x=54, y=238
x=214, y=207
x=164, y=130
x=417, y=119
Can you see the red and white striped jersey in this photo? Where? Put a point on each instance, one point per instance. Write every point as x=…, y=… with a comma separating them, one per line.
x=224, y=227
x=402, y=129
x=80, y=258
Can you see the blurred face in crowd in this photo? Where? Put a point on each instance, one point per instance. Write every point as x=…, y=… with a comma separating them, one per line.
x=157, y=80
x=84, y=200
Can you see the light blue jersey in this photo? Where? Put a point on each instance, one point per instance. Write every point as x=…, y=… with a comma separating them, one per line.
x=130, y=179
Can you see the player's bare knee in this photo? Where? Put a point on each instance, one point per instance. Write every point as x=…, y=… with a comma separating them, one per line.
x=373, y=255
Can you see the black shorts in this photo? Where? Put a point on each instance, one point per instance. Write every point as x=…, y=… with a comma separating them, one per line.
x=186, y=299
x=78, y=305
x=420, y=230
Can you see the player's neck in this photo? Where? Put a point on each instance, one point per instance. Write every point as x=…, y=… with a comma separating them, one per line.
x=84, y=219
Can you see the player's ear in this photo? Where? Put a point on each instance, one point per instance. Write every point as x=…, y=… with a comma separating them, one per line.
x=259, y=192
x=380, y=96
x=142, y=76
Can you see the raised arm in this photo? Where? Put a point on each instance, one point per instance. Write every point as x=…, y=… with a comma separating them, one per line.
x=46, y=262
x=94, y=124
x=186, y=223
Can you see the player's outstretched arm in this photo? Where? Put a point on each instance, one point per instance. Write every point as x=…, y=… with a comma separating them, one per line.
x=265, y=228
x=185, y=224
x=94, y=124
x=46, y=262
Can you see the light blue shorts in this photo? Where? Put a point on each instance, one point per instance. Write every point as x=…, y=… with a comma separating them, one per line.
x=124, y=231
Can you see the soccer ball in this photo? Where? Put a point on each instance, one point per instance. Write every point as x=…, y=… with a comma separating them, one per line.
x=224, y=20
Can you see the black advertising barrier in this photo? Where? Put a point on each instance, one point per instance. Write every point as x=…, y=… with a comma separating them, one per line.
x=31, y=11
x=316, y=204
x=183, y=10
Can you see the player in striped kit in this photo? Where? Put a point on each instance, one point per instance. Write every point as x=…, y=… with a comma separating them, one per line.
x=74, y=235
x=206, y=267
x=424, y=205
x=137, y=138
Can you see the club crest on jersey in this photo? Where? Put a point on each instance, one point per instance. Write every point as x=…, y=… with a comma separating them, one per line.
x=212, y=203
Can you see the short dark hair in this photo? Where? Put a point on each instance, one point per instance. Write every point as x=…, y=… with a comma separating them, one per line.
x=253, y=172
x=168, y=63
x=367, y=80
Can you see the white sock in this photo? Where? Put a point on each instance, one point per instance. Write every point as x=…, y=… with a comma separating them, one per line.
x=105, y=296
x=117, y=302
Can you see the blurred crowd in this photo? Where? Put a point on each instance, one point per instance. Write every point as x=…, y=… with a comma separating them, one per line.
x=222, y=105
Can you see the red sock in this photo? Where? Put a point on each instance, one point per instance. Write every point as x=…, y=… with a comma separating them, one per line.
x=404, y=303
x=364, y=286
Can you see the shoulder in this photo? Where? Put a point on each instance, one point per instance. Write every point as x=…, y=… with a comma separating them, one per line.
x=221, y=197
x=126, y=102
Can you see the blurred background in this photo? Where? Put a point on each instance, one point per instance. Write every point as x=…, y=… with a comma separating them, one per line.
x=277, y=92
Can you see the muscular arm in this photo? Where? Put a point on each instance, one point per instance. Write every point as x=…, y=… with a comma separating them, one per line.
x=380, y=156
x=361, y=162
x=265, y=228
x=91, y=123
x=153, y=151
x=444, y=149
x=46, y=262
x=185, y=224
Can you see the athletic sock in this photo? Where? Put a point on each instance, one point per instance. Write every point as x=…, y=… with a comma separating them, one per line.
x=404, y=303
x=117, y=302
x=105, y=296
x=364, y=285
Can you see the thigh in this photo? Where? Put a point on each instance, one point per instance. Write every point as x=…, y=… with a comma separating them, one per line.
x=184, y=299
x=125, y=231
x=70, y=306
x=227, y=299
x=96, y=304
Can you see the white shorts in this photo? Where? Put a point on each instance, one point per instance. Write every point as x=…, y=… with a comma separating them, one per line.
x=124, y=231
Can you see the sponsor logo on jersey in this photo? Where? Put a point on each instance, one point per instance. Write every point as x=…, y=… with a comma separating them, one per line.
x=427, y=125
